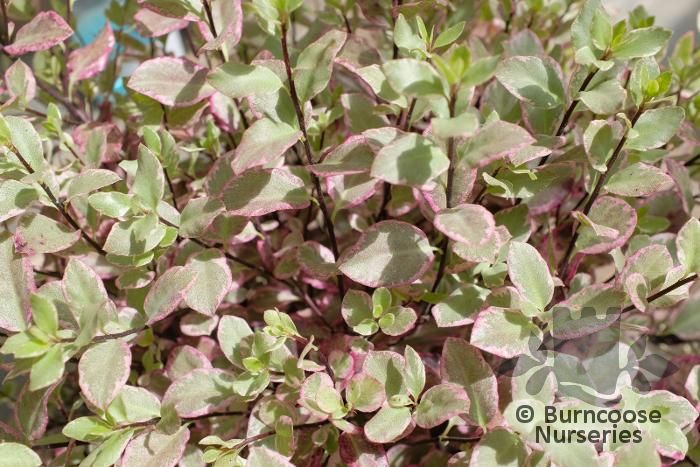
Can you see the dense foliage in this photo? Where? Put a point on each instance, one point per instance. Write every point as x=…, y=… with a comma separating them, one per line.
x=328, y=233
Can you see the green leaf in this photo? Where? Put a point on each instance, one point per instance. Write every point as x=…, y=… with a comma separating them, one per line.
x=460, y=307
x=655, y=128
x=638, y=179
x=15, y=287
x=175, y=82
x=111, y=204
x=149, y=182
x=264, y=457
x=134, y=405
x=599, y=141
x=238, y=80
x=480, y=71
x=506, y=333
x=103, y=370
x=91, y=180
x=533, y=80
x=87, y=429
x=156, y=448
x=198, y=215
x=212, y=283
x=260, y=191
x=530, y=274
x=388, y=254
x=467, y=223
x=27, y=142
x=415, y=372
x=439, y=404
x=581, y=28
x=85, y=293
x=688, y=245
x=500, y=447
x=397, y=320
x=404, y=37
x=44, y=314
x=357, y=310
x=111, y=449
x=232, y=330
x=18, y=455
x=15, y=197
x=389, y=424
x=601, y=30
x=494, y=141
x=167, y=293
x=449, y=35
x=364, y=393
x=315, y=64
x=462, y=364
x=200, y=392
x=48, y=369
x=414, y=78
x=135, y=236
x=263, y=143
x=410, y=160
x=643, y=42
x=37, y=233
x=605, y=98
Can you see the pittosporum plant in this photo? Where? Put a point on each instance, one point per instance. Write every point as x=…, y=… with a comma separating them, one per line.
x=330, y=232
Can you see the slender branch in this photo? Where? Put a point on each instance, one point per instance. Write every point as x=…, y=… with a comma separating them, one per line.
x=570, y=110
x=4, y=33
x=72, y=109
x=307, y=150
x=665, y=291
x=599, y=186
x=171, y=188
x=445, y=244
x=60, y=206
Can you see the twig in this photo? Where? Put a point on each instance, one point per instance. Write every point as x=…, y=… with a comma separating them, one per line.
x=598, y=186
x=309, y=158
x=60, y=206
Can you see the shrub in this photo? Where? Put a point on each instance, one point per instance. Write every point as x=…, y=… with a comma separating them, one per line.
x=348, y=233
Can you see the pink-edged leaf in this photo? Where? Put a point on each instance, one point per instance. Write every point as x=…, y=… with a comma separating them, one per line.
x=637, y=289
x=529, y=272
x=506, y=333
x=397, y=320
x=44, y=31
x=495, y=141
x=212, y=283
x=175, y=82
x=316, y=260
x=37, y=233
x=460, y=307
x=389, y=424
x=487, y=253
x=594, y=307
x=15, y=287
x=500, y=447
x=349, y=191
x=103, y=370
x=201, y=391
x=92, y=59
x=319, y=396
x=264, y=457
x=262, y=143
x=638, y=179
x=184, y=359
x=612, y=213
x=388, y=254
x=467, y=223
x=152, y=24
x=365, y=393
x=190, y=10
x=20, y=81
x=653, y=262
x=196, y=324
x=262, y=191
x=31, y=411
x=463, y=364
x=228, y=23
x=439, y=404
x=167, y=293
x=411, y=160
x=353, y=156
x=356, y=451
x=156, y=448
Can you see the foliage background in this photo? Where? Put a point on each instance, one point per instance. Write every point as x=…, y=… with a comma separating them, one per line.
x=326, y=234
